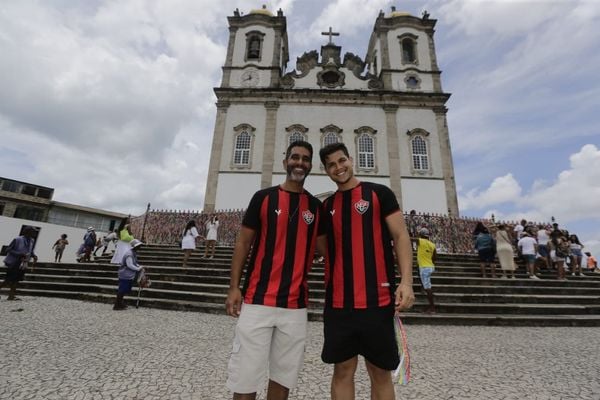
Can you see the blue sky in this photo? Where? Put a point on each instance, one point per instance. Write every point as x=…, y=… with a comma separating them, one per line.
x=111, y=102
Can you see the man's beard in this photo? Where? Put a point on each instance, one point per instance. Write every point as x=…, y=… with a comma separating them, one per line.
x=294, y=176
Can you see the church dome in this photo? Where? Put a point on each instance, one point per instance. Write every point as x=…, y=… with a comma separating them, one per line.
x=262, y=11
x=399, y=14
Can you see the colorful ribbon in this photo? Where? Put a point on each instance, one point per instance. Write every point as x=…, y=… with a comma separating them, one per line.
x=402, y=373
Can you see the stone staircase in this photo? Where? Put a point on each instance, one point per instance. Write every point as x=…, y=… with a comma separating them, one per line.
x=462, y=296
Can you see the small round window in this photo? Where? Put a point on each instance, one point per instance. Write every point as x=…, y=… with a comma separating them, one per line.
x=412, y=82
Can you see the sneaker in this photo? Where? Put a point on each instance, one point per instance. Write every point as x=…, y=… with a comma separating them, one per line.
x=503, y=277
x=533, y=277
x=572, y=273
x=210, y=258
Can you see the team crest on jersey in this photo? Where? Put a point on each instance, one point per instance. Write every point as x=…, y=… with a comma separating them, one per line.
x=361, y=206
x=308, y=217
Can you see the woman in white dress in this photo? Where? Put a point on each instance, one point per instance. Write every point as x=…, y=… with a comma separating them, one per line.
x=505, y=252
x=125, y=237
x=212, y=228
x=188, y=242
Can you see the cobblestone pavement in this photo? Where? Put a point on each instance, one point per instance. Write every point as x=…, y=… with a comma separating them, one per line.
x=66, y=349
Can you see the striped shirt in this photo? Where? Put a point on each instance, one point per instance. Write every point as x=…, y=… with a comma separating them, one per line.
x=286, y=226
x=359, y=268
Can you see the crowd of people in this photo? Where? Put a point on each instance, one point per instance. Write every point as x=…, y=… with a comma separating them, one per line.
x=167, y=226
x=451, y=235
x=539, y=246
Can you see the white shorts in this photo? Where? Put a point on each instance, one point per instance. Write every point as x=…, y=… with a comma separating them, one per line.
x=267, y=337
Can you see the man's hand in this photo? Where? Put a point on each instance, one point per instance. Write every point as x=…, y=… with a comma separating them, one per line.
x=233, y=304
x=405, y=298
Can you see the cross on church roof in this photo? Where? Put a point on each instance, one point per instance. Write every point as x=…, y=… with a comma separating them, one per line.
x=330, y=34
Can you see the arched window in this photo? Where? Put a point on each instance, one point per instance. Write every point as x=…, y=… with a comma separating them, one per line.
x=419, y=153
x=296, y=136
x=254, y=41
x=241, y=154
x=296, y=132
x=366, y=152
x=330, y=138
x=408, y=46
x=365, y=149
x=330, y=134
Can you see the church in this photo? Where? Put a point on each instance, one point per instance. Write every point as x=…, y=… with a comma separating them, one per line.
x=389, y=109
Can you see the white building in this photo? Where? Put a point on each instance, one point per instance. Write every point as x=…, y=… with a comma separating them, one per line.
x=388, y=109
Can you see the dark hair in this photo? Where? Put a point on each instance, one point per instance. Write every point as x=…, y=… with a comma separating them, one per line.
x=64, y=236
x=189, y=225
x=478, y=228
x=332, y=148
x=299, y=143
x=124, y=222
x=501, y=226
x=575, y=237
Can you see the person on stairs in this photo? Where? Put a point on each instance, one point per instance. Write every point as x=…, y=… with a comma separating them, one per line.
x=426, y=255
x=127, y=271
x=212, y=228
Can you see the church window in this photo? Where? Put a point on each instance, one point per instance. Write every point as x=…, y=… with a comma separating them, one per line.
x=412, y=82
x=330, y=134
x=295, y=133
x=408, y=47
x=241, y=154
x=365, y=148
x=254, y=42
x=366, y=152
x=419, y=153
x=330, y=138
x=296, y=136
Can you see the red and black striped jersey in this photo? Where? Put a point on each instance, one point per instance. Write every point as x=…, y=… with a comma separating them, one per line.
x=359, y=267
x=286, y=226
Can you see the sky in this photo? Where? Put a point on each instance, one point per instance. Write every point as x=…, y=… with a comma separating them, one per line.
x=111, y=103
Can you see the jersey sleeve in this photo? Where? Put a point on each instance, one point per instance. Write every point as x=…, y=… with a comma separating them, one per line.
x=387, y=199
x=252, y=217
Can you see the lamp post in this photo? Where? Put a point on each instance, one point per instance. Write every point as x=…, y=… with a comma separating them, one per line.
x=144, y=226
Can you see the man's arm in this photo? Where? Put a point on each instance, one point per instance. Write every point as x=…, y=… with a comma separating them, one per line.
x=404, y=293
x=240, y=254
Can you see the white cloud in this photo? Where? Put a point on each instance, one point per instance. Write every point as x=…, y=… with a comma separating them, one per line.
x=572, y=198
x=502, y=189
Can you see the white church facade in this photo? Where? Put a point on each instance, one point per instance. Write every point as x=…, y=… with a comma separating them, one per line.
x=389, y=110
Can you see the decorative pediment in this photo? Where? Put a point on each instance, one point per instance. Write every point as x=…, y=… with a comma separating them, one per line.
x=354, y=63
x=307, y=61
x=297, y=127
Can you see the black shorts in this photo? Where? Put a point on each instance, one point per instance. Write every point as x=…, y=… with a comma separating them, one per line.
x=14, y=274
x=366, y=332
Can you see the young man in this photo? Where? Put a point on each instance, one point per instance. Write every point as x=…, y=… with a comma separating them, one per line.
x=19, y=252
x=359, y=222
x=280, y=225
x=426, y=255
x=528, y=248
x=127, y=271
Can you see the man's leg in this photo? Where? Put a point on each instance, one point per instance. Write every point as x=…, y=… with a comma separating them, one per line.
x=431, y=308
x=277, y=391
x=286, y=355
x=382, y=387
x=12, y=291
x=342, y=382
